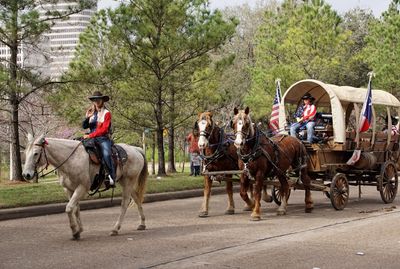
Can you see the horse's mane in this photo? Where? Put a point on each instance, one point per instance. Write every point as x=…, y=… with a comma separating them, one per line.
x=69, y=141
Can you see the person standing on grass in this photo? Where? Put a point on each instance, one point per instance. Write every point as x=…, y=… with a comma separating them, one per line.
x=196, y=160
x=193, y=139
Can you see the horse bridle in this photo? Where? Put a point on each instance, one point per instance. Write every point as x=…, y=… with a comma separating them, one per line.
x=43, y=146
x=244, y=134
x=205, y=133
x=42, y=151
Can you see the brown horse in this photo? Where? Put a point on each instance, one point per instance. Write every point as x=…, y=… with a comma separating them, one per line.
x=219, y=154
x=262, y=157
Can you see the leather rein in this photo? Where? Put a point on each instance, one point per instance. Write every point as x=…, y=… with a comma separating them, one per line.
x=219, y=152
x=43, y=151
x=257, y=150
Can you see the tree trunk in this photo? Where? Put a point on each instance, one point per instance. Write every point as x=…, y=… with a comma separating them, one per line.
x=184, y=156
x=16, y=168
x=161, y=153
x=160, y=130
x=171, y=135
x=171, y=150
x=153, y=154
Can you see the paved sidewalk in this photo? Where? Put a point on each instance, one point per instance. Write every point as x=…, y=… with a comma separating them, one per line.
x=40, y=210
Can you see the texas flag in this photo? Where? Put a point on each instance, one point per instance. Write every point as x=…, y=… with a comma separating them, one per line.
x=366, y=111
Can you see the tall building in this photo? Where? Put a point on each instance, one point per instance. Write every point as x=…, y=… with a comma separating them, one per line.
x=5, y=55
x=63, y=38
x=56, y=49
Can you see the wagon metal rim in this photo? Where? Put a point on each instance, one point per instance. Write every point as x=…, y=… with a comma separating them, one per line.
x=339, y=191
x=388, y=182
x=277, y=196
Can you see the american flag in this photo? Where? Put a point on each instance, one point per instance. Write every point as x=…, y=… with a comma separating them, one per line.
x=366, y=111
x=274, y=121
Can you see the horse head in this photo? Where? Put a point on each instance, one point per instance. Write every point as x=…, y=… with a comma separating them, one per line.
x=205, y=125
x=34, y=156
x=242, y=126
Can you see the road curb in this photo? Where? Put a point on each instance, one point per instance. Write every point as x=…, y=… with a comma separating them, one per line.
x=41, y=210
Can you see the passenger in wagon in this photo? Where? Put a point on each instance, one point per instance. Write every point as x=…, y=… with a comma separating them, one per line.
x=307, y=118
x=395, y=121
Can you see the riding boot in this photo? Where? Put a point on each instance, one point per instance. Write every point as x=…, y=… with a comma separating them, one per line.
x=110, y=181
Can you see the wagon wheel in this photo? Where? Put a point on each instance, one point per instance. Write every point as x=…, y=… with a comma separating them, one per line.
x=339, y=193
x=388, y=182
x=277, y=196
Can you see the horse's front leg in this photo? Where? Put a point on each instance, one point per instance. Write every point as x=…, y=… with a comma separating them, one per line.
x=244, y=187
x=229, y=190
x=256, y=214
x=284, y=190
x=206, y=197
x=72, y=209
x=249, y=191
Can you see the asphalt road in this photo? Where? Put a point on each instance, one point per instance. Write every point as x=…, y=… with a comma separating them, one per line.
x=364, y=235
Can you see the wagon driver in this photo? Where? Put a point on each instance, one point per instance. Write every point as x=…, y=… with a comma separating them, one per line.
x=306, y=119
x=98, y=120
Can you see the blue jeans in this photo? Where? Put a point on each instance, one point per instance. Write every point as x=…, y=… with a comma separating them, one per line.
x=105, y=145
x=310, y=129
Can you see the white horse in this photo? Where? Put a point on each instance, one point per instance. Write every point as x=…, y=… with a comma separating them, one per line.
x=75, y=172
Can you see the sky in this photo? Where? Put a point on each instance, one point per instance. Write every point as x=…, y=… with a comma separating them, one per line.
x=377, y=6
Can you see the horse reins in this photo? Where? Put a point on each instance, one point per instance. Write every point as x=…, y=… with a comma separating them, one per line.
x=257, y=151
x=47, y=161
x=219, y=152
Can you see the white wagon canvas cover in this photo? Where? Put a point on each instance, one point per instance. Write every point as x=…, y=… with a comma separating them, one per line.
x=338, y=98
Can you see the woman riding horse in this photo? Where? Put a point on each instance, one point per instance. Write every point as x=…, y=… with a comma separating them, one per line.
x=98, y=120
x=76, y=171
x=261, y=157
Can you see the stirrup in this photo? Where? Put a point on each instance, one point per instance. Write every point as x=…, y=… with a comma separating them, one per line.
x=111, y=180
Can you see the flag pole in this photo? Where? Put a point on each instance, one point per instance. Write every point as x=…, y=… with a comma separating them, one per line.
x=368, y=102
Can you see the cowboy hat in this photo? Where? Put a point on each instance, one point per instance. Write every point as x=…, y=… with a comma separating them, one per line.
x=99, y=95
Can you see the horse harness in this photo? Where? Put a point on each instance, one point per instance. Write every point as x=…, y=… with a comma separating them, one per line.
x=221, y=151
x=258, y=151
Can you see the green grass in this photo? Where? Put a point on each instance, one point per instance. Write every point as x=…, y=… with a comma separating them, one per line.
x=49, y=190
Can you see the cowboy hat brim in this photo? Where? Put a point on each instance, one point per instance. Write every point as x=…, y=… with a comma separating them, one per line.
x=104, y=97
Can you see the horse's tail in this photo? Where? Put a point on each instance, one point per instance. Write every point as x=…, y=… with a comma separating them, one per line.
x=141, y=184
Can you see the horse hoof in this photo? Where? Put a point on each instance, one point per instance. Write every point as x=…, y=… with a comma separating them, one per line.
x=230, y=212
x=76, y=236
x=255, y=218
x=267, y=199
x=281, y=212
x=247, y=208
x=203, y=214
x=141, y=227
x=309, y=210
x=114, y=233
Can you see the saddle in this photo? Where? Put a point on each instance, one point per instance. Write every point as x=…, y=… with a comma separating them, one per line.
x=119, y=158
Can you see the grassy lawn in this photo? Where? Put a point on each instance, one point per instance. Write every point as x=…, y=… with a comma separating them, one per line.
x=49, y=190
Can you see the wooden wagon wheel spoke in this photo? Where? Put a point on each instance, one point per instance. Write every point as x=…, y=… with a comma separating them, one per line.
x=339, y=191
x=388, y=182
x=277, y=195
